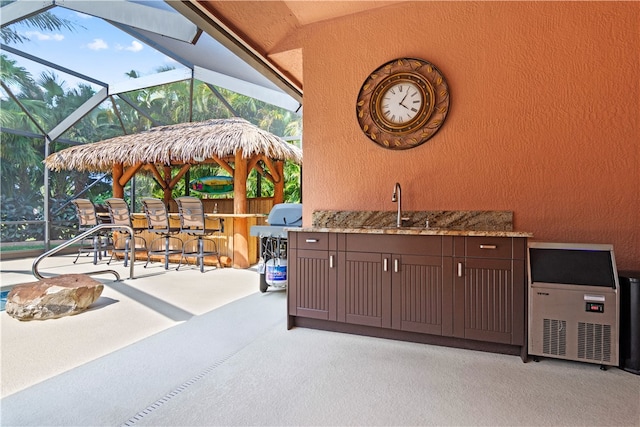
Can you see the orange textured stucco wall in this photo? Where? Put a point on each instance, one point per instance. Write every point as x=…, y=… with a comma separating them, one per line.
x=544, y=118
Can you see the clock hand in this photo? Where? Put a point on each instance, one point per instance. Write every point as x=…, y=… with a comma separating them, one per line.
x=405, y=97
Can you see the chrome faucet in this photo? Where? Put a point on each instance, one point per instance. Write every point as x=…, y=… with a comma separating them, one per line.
x=397, y=198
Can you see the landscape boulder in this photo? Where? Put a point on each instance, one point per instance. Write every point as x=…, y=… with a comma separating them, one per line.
x=53, y=297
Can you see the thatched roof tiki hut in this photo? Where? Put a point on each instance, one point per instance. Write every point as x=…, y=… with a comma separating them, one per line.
x=235, y=144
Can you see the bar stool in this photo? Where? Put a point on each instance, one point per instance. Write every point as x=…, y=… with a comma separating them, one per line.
x=192, y=222
x=158, y=223
x=120, y=215
x=100, y=242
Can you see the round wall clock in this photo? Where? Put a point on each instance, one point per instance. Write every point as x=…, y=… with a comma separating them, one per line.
x=403, y=103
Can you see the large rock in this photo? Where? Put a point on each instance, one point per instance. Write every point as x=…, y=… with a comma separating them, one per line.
x=54, y=297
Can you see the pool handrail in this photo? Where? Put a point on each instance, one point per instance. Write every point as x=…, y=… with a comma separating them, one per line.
x=132, y=251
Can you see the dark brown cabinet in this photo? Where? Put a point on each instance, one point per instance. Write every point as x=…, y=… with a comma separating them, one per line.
x=397, y=291
x=462, y=287
x=312, y=275
x=393, y=281
x=489, y=289
x=364, y=289
x=421, y=295
x=397, y=282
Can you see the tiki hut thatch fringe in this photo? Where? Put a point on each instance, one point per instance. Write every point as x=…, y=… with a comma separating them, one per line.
x=175, y=144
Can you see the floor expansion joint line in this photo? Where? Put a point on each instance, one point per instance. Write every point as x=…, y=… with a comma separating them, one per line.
x=158, y=403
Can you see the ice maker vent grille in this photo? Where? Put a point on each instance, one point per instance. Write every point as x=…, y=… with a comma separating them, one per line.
x=555, y=337
x=594, y=341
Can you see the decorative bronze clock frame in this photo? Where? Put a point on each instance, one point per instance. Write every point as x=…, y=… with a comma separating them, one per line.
x=433, y=89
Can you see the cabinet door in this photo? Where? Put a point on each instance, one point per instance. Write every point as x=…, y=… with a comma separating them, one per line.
x=312, y=284
x=364, y=285
x=422, y=294
x=488, y=301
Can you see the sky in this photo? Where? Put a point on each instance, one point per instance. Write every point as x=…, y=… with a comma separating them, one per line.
x=95, y=48
x=101, y=51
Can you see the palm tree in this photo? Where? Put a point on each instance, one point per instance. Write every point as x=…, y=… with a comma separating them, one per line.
x=45, y=21
x=21, y=156
x=18, y=153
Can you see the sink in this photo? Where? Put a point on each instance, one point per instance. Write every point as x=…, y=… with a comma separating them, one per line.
x=393, y=227
x=404, y=228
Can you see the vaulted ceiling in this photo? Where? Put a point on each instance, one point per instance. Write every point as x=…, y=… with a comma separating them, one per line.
x=270, y=28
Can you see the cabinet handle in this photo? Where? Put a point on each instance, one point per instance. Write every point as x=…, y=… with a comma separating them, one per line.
x=385, y=265
x=312, y=240
x=488, y=246
x=396, y=265
x=459, y=269
x=330, y=261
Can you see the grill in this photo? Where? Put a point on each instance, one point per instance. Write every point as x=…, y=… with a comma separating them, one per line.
x=282, y=215
x=273, y=243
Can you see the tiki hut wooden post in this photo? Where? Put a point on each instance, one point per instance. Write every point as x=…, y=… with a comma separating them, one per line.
x=118, y=189
x=240, y=228
x=167, y=186
x=278, y=187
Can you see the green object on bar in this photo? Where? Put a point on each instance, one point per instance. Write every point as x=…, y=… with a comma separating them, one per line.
x=212, y=184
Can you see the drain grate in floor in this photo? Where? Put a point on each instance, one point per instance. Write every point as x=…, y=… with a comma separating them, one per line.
x=167, y=397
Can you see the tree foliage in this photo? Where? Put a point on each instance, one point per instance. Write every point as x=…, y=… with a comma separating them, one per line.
x=49, y=101
x=43, y=101
x=45, y=21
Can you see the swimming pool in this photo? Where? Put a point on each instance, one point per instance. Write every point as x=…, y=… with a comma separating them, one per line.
x=3, y=299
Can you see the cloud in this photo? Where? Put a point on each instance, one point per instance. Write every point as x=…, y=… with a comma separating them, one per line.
x=135, y=46
x=83, y=15
x=98, y=44
x=44, y=37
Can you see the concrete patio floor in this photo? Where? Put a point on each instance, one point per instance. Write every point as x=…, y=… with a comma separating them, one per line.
x=127, y=311
x=186, y=348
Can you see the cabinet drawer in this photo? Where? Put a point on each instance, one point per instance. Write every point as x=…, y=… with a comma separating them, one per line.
x=489, y=247
x=317, y=241
x=398, y=244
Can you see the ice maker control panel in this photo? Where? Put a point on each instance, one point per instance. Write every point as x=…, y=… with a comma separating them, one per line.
x=595, y=307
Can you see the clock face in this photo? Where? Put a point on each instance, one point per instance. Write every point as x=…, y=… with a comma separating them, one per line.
x=403, y=103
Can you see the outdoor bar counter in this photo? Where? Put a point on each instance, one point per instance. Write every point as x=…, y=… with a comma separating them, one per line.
x=235, y=243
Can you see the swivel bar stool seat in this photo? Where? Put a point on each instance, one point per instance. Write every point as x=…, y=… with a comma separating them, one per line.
x=120, y=215
x=192, y=222
x=100, y=242
x=158, y=223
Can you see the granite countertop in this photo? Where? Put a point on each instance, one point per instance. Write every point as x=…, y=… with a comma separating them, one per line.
x=416, y=231
x=441, y=223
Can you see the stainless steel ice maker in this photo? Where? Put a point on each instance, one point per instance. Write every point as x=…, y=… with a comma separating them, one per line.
x=573, y=302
